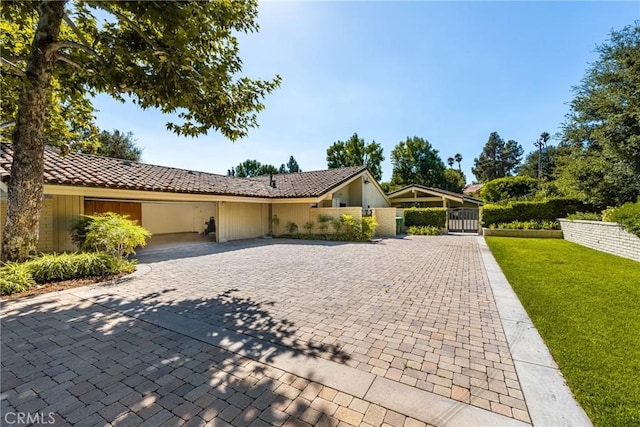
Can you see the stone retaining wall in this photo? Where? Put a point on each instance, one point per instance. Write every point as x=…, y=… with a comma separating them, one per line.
x=603, y=236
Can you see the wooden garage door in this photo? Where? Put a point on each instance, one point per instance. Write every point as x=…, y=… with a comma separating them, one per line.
x=134, y=210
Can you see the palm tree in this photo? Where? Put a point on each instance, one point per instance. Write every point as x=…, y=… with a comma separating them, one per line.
x=450, y=161
x=458, y=159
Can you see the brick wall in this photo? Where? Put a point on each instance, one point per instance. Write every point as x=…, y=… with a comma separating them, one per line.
x=386, y=218
x=603, y=236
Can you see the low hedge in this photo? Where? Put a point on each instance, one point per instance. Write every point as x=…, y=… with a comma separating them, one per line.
x=424, y=231
x=548, y=210
x=627, y=215
x=425, y=217
x=19, y=277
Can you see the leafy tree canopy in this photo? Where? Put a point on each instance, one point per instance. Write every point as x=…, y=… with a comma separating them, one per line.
x=603, y=125
x=292, y=165
x=509, y=188
x=454, y=180
x=498, y=159
x=250, y=168
x=355, y=152
x=179, y=57
x=115, y=144
x=415, y=161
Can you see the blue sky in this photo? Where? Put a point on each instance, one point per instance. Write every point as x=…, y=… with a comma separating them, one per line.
x=450, y=72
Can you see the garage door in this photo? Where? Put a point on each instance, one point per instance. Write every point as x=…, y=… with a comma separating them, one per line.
x=134, y=210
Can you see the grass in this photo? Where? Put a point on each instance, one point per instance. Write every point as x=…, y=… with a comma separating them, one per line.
x=586, y=306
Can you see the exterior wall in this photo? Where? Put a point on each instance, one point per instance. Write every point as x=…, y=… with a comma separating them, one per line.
x=242, y=220
x=294, y=212
x=66, y=210
x=46, y=241
x=371, y=196
x=603, y=236
x=538, y=234
x=356, y=212
x=355, y=193
x=344, y=194
x=162, y=218
x=386, y=218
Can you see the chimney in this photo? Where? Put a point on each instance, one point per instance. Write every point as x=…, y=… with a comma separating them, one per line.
x=272, y=181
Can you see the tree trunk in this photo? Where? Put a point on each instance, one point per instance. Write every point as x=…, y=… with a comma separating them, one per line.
x=26, y=183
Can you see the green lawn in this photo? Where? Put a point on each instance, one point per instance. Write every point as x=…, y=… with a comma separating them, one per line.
x=586, y=306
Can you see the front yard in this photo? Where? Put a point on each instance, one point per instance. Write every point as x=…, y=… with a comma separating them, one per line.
x=586, y=306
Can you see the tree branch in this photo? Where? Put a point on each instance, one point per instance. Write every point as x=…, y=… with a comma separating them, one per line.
x=75, y=45
x=16, y=70
x=129, y=22
x=69, y=61
x=75, y=29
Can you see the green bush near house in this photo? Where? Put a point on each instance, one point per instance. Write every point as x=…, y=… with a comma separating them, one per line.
x=368, y=229
x=109, y=232
x=627, y=215
x=508, y=188
x=424, y=230
x=425, y=217
x=19, y=277
x=547, y=210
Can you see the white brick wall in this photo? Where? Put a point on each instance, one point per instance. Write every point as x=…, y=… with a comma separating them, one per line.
x=603, y=236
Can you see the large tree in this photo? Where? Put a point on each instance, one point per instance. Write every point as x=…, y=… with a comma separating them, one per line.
x=178, y=57
x=254, y=168
x=115, y=144
x=603, y=125
x=498, y=159
x=292, y=165
x=355, y=152
x=415, y=161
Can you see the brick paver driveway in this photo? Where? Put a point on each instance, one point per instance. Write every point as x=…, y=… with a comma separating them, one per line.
x=268, y=332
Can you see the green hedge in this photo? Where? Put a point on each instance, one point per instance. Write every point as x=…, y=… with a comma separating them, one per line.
x=425, y=217
x=19, y=277
x=548, y=210
x=627, y=215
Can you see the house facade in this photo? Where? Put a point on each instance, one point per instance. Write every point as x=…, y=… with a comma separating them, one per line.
x=170, y=200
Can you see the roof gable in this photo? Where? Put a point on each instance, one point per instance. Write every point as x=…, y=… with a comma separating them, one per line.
x=434, y=192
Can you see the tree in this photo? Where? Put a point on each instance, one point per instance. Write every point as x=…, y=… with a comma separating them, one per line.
x=458, y=159
x=508, y=188
x=355, y=152
x=117, y=145
x=498, y=159
x=250, y=168
x=602, y=128
x=282, y=169
x=450, y=162
x=178, y=57
x=454, y=180
x=415, y=161
x=541, y=143
x=292, y=165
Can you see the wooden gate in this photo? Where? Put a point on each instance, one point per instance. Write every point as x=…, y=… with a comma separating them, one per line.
x=465, y=220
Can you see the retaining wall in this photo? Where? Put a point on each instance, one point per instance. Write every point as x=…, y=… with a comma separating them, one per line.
x=603, y=236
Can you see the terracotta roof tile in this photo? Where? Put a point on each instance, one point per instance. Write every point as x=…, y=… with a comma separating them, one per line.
x=104, y=172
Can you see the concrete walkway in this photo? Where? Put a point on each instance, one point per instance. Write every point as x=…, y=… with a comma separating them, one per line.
x=414, y=331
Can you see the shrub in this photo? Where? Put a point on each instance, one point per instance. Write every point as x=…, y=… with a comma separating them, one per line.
x=433, y=217
x=55, y=267
x=424, y=230
x=585, y=216
x=291, y=227
x=114, y=234
x=308, y=226
x=78, y=230
x=508, y=188
x=323, y=223
x=548, y=210
x=19, y=277
x=15, y=277
x=528, y=225
x=627, y=215
x=368, y=229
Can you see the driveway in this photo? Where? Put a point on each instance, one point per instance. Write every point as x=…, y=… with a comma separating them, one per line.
x=404, y=332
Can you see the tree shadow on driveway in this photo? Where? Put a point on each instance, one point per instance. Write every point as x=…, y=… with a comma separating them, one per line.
x=139, y=360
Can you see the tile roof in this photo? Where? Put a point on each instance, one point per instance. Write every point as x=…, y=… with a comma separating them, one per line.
x=105, y=172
